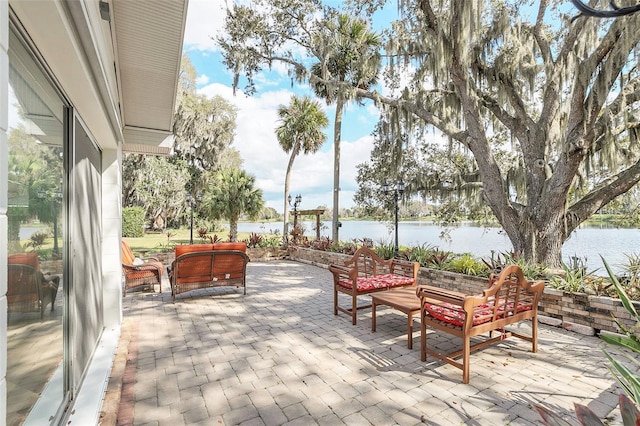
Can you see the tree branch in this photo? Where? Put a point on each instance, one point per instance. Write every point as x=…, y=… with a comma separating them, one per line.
x=600, y=196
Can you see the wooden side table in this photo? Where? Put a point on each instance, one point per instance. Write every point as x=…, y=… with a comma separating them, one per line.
x=404, y=300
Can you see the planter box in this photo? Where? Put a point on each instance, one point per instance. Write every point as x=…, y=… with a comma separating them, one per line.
x=578, y=312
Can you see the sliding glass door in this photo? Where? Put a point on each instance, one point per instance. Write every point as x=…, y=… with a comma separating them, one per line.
x=36, y=279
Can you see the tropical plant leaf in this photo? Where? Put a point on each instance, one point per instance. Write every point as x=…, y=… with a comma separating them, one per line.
x=586, y=416
x=629, y=380
x=550, y=418
x=628, y=411
x=626, y=302
x=620, y=340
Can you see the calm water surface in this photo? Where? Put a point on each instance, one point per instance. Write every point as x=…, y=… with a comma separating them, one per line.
x=585, y=243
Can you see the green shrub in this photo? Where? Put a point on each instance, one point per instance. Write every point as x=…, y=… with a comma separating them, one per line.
x=573, y=280
x=132, y=222
x=532, y=271
x=385, y=251
x=469, y=265
x=37, y=240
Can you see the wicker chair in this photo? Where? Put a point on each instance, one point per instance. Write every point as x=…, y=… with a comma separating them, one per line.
x=28, y=289
x=140, y=273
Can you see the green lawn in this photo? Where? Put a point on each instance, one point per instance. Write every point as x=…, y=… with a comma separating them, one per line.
x=157, y=241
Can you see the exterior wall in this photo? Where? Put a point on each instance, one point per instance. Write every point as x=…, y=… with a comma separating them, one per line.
x=111, y=236
x=578, y=312
x=4, y=118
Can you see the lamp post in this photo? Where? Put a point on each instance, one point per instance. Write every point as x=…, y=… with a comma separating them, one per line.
x=57, y=197
x=397, y=190
x=295, y=208
x=190, y=200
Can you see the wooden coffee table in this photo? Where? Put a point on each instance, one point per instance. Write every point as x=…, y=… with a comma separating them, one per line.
x=404, y=300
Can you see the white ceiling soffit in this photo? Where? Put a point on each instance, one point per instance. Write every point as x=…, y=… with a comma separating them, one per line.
x=136, y=148
x=148, y=41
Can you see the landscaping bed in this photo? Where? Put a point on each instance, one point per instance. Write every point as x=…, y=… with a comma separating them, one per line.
x=578, y=312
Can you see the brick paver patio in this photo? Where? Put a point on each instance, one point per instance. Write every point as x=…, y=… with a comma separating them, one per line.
x=279, y=356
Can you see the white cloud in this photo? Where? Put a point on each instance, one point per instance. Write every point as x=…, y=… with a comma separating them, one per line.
x=204, y=19
x=202, y=79
x=312, y=175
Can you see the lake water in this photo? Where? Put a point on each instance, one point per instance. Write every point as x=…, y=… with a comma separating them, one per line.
x=585, y=243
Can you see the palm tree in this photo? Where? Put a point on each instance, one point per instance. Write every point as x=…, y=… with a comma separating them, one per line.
x=301, y=130
x=351, y=57
x=232, y=193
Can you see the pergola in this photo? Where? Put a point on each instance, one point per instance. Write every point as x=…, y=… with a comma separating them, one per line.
x=314, y=212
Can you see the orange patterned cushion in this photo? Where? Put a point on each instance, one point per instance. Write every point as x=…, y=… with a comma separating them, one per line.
x=454, y=314
x=378, y=281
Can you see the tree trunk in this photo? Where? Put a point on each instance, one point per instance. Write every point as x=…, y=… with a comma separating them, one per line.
x=337, y=129
x=233, y=230
x=539, y=241
x=287, y=177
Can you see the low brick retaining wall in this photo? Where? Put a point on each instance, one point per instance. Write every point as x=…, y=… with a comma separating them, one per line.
x=578, y=312
x=255, y=254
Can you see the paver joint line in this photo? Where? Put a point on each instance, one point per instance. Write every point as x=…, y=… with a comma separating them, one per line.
x=279, y=356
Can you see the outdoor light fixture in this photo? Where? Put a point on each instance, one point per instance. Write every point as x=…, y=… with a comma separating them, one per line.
x=55, y=199
x=104, y=11
x=397, y=190
x=295, y=208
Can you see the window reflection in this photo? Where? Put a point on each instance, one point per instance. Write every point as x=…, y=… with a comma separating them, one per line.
x=35, y=279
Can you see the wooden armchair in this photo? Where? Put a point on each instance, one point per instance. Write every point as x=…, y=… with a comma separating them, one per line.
x=509, y=299
x=28, y=289
x=140, y=273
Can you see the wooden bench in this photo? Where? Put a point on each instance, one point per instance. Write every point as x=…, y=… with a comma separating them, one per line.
x=366, y=273
x=199, y=266
x=509, y=299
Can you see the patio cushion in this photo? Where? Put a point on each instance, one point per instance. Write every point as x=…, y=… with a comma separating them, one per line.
x=231, y=246
x=29, y=259
x=378, y=281
x=455, y=315
x=190, y=248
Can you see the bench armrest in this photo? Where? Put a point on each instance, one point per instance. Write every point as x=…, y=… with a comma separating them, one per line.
x=436, y=294
x=345, y=272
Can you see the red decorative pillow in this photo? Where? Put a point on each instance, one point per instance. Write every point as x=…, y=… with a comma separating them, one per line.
x=373, y=282
x=454, y=314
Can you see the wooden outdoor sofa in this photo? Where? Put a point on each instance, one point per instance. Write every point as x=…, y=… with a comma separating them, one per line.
x=509, y=299
x=199, y=266
x=367, y=273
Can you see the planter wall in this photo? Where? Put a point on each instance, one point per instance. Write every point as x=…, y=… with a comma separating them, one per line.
x=582, y=313
x=266, y=253
x=255, y=254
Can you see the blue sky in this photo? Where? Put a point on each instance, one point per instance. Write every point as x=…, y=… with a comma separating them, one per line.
x=312, y=175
